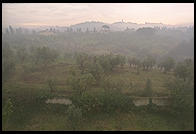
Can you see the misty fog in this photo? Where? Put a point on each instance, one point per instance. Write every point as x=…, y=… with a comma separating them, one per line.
x=88, y=69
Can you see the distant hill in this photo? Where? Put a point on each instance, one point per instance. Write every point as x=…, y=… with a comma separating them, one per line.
x=117, y=26
x=96, y=25
x=90, y=25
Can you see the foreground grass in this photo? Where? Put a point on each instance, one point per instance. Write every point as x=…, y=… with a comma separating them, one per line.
x=28, y=92
x=132, y=121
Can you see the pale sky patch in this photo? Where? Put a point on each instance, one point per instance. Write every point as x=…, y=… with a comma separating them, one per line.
x=66, y=14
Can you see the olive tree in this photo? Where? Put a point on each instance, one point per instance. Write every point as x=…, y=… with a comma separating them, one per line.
x=96, y=70
x=168, y=64
x=80, y=83
x=81, y=61
x=148, y=62
x=184, y=70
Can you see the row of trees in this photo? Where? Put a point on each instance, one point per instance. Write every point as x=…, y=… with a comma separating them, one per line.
x=96, y=65
x=99, y=65
x=149, y=62
x=10, y=30
x=107, y=63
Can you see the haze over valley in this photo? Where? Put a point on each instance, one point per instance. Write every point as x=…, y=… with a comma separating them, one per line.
x=98, y=66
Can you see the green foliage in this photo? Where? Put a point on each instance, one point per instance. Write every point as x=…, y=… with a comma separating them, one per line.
x=86, y=81
x=116, y=101
x=134, y=61
x=80, y=83
x=74, y=116
x=185, y=70
x=182, y=100
x=104, y=61
x=95, y=69
x=182, y=97
x=99, y=65
x=8, y=62
x=168, y=64
x=7, y=112
x=108, y=62
x=148, y=62
x=181, y=71
x=121, y=59
x=73, y=82
x=114, y=61
x=103, y=101
x=44, y=55
x=29, y=96
x=125, y=43
x=81, y=60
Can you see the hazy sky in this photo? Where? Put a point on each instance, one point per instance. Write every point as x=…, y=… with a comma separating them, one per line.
x=65, y=14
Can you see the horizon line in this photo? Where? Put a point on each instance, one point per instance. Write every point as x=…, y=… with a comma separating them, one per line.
x=40, y=25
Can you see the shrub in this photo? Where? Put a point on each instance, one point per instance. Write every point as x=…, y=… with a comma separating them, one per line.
x=103, y=101
x=80, y=83
x=115, y=100
x=74, y=116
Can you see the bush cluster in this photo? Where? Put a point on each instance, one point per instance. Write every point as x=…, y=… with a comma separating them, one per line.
x=103, y=101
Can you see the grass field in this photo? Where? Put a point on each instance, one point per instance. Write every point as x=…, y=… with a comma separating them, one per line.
x=28, y=92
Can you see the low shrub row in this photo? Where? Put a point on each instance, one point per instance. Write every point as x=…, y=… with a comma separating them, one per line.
x=103, y=101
